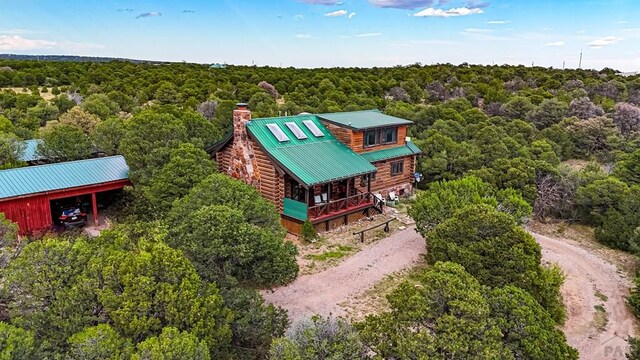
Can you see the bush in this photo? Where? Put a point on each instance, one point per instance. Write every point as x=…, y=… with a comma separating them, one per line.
x=319, y=338
x=308, y=232
x=494, y=249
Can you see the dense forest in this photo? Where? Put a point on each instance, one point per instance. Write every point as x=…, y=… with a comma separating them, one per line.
x=178, y=276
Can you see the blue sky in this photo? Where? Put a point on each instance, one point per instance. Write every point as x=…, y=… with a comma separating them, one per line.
x=326, y=33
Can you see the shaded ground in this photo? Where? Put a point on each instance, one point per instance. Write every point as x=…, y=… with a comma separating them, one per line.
x=598, y=320
x=94, y=231
x=322, y=292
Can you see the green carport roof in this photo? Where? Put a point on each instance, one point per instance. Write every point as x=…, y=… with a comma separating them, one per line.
x=37, y=179
x=311, y=161
x=408, y=149
x=361, y=120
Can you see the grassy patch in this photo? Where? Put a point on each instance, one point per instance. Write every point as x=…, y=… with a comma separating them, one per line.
x=601, y=296
x=345, y=248
x=600, y=318
x=331, y=254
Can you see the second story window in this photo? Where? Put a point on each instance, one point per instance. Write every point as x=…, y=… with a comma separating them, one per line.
x=390, y=135
x=371, y=138
x=380, y=136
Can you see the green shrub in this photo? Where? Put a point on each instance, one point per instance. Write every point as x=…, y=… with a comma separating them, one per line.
x=308, y=232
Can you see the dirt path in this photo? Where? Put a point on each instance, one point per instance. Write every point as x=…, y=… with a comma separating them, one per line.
x=321, y=293
x=591, y=281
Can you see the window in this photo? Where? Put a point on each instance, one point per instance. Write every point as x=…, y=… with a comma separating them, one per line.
x=296, y=130
x=277, y=132
x=313, y=128
x=390, y=135
x=380, y=136
x=397, y=168
x=371, y=138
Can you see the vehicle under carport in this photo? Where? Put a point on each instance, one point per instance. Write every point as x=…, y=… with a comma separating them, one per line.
x=27, y=194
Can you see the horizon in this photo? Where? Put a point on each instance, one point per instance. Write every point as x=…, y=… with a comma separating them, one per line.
x=151, y=61
x=331, y=33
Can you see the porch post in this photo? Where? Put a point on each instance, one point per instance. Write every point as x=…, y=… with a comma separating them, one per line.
x=369, y=183
x=94, y=202
x=329, y=192
x=348, y=187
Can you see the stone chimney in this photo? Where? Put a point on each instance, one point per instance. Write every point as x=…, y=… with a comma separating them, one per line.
x=241, y=116
x=243, y=165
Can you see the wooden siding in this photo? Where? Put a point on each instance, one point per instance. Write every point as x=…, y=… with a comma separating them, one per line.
x=223, y=158
x=358, y=141
x=341, y=133
x=271, y=182
x=33, y=212
x=384, y=182
x=30, y=213
x=293, y=226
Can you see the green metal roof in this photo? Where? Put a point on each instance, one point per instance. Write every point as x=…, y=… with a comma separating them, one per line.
x=29, y=153
x=390, y=153
x=37, y=179
x=314, y=160
x=360, y=120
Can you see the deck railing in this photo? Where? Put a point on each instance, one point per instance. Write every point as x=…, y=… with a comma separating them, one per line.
x=339, y=205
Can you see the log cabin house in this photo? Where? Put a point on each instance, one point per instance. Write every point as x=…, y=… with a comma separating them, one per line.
x=327, y=168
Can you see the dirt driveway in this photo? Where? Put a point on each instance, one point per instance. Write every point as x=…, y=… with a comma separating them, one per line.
x=592, y=284
x=320, y=293
x=598, y=320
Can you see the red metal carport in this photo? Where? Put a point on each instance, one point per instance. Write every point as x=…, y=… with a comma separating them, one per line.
x=26, y=193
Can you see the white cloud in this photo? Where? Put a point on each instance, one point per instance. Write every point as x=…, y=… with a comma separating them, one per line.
x=555, y=43
x=368, y=34
x=499, y=22
x=303, y=36
x=631, y=30
x=474, y=30
x=352, y=15
x=336, y=13
x=605, y=41
x=298, y=17
x=461, y=11
x=16, y=42
x=401, y=4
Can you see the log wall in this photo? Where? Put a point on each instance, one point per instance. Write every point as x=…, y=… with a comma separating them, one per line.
x=341, y=133
x=271, y=182
x=357, y=144
x=384, y=182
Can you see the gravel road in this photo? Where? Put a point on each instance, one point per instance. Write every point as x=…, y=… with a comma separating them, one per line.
x=588, y=274
x=321, y=293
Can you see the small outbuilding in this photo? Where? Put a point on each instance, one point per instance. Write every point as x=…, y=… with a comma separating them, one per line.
x=29, y=195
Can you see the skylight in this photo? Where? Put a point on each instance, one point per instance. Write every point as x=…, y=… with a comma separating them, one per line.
x=313, y=128
x=277, y=132
x=296, y=130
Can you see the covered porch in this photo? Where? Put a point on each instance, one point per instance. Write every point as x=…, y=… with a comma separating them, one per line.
x=326, y=201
